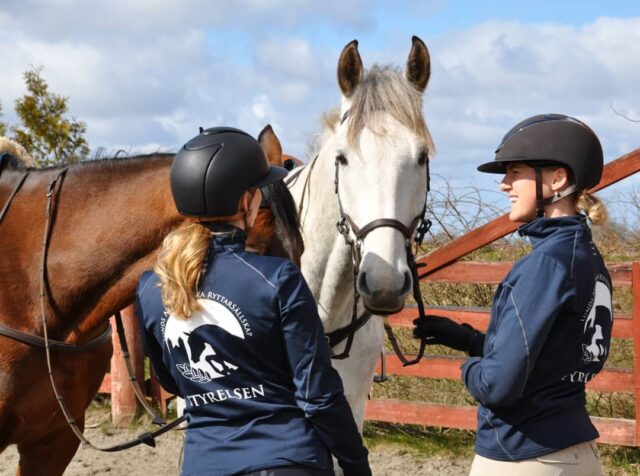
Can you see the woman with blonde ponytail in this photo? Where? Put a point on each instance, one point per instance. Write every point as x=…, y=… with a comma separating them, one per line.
x=551, y=319
x=236, y=334
x=591, y=207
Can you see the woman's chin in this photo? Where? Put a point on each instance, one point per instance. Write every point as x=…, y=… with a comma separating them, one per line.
x=517, y=216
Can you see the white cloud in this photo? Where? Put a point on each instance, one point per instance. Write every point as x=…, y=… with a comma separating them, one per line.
x=487, y=78
x=147, y=74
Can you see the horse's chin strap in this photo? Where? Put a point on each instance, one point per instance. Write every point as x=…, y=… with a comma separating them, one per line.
x=346, y=226
x=146, y=438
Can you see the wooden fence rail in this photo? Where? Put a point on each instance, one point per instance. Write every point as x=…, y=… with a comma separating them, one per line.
x=612, y=430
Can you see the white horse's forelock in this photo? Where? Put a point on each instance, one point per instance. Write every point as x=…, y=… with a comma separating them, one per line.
x=386, y=89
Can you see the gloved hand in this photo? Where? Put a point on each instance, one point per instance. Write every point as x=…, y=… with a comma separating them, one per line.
x=444, y=331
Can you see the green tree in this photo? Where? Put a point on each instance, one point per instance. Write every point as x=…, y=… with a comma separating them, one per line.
x=45, y=133
x=3, y=126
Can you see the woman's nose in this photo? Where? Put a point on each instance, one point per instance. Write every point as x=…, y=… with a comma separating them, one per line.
x=504, y=186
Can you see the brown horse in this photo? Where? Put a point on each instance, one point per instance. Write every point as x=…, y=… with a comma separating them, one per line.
x=109, y=220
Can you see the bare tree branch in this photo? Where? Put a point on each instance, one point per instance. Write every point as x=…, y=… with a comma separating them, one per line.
x=622, y=115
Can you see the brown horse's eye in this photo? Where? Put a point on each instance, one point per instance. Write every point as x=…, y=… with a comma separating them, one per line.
x=341, y=159
x=424, y=158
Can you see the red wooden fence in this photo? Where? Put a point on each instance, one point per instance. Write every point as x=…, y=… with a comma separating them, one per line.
x=443, y=265
x=612, y=430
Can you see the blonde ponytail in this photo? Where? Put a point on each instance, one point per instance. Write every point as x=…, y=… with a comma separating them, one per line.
x=179, y=267
x=592, y=207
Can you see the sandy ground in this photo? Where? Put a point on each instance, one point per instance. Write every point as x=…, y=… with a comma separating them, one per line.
x=163, y=460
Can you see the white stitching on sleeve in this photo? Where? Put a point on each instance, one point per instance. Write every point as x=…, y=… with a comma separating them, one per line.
x=524, y=334
x=253, y=268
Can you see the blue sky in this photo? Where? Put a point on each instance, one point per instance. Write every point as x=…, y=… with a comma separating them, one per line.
x=145, y=74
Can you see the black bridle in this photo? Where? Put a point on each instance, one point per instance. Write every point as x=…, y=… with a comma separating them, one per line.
x=49, y=345
x=346, y=227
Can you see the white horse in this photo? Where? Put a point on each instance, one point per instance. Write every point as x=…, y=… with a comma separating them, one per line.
x=377, y=149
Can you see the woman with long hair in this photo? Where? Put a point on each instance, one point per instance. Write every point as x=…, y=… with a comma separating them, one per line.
x=236, y=334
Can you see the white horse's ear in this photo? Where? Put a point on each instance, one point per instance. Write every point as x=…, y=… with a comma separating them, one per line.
x=350, y=70
x=271, y=145
x=419, y=64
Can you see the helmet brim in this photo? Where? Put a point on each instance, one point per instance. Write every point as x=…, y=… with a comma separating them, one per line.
x=274, y=174
x=497, y=166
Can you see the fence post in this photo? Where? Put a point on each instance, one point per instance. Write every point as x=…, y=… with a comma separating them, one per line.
x=123, y=398
x=635, y=291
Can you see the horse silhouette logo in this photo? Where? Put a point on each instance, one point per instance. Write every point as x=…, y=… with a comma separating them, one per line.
x=195, y=337
x=600, y=309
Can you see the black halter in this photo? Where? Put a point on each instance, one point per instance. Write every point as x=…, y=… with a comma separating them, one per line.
x=346, y=226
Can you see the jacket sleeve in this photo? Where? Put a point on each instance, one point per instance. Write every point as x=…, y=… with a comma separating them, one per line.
x=524, y=311
x=152, y=348
x=318, y=388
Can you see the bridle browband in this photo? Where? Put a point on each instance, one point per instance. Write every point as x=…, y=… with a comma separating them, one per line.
x=49, y=345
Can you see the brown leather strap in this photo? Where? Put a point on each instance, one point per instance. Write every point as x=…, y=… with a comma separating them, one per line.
x=12, y=196
x=146, y=438
x=130, y=372
x=55, y=345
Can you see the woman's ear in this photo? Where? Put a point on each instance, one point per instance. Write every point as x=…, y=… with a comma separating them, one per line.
x=245, y=202
x=560, y=179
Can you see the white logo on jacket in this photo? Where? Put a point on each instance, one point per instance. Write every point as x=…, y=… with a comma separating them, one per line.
x=594, y=350
x=188, y=336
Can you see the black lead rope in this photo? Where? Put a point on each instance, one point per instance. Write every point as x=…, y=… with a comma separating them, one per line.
x=417, y=296
x=148, y=438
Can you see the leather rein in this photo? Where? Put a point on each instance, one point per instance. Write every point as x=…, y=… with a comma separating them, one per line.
x=49, y=345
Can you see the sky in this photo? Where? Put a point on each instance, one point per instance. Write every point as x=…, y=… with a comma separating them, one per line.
x=144, y=75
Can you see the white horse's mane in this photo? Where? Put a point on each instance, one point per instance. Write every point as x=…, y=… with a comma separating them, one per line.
x=11, y=147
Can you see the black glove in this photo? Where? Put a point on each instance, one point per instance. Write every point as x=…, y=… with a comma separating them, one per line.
x=444, y=331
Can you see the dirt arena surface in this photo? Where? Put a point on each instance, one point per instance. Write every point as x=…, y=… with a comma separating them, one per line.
x=163, y=460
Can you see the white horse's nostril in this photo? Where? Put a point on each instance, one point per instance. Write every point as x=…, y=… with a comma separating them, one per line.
x=363, y=289
x=408, y=282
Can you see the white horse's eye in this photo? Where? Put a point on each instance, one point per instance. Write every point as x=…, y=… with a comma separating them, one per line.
x=424, y=158
x=341, y=159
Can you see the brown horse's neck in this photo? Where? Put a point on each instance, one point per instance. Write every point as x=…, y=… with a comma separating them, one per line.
x=110, y=218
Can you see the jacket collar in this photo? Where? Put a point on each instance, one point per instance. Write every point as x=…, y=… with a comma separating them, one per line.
x=541, y=228
x=225, y=235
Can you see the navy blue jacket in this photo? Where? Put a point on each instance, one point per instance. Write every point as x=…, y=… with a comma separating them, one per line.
x=549, y=334
x=253, y=367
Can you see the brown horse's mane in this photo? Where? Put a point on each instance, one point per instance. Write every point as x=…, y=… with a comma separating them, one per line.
x=89, y=164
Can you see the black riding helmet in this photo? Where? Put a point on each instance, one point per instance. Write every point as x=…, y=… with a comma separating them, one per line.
x=551, y=139
x=212, y=171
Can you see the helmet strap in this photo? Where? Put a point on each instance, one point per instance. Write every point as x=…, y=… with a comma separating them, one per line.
x=560, y=195
x=539, y=200
x=542, y=202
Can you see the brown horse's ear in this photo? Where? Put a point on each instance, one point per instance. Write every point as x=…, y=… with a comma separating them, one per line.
x=419, y=64
x=271, y=145
x=350, y=69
